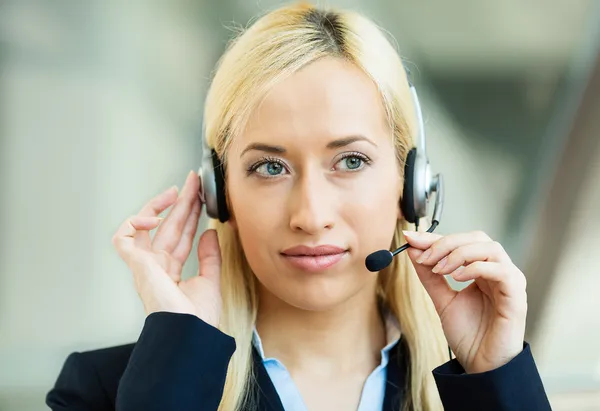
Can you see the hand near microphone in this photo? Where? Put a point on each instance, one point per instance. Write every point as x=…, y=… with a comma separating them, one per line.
x=485, y=322
x=157, y=262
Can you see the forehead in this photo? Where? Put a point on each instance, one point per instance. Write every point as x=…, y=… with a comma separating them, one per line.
x=329, y=98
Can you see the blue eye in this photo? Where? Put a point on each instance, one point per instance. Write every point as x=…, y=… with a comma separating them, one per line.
x=267, y=168
x=272, y=168
x=353, y=161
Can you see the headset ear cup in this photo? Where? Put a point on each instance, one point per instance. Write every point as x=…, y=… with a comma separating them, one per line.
x=408, y=201
x=220, y=188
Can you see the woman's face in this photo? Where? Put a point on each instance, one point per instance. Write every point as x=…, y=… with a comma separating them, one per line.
x=315, y=167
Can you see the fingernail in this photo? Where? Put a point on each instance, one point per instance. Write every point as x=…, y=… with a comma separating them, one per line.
x=457, y=273
x=424, y=256
x=440, y=265
x=171, y=188
x=186, y=183
x=409, y=233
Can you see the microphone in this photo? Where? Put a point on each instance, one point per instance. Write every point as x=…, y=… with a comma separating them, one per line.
x=378, y=260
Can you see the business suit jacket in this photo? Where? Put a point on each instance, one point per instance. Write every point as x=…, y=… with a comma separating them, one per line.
x=179, y=363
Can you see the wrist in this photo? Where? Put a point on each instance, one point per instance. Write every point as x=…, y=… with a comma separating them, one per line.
x=479, y=367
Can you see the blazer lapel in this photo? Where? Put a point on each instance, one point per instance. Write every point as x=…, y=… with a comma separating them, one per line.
x=397, y=375
x=265, y=393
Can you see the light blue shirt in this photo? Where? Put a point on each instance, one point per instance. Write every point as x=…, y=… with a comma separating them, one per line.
x=373, y=391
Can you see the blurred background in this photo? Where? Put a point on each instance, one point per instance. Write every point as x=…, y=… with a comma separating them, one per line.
x=101, y=105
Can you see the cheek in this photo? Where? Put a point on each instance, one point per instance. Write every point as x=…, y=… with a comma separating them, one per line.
x=257, y=221
x=374, y=214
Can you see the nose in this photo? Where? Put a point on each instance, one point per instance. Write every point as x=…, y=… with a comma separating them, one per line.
x=311, y=204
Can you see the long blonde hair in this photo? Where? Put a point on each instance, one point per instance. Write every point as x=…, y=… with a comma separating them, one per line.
x=274, y=47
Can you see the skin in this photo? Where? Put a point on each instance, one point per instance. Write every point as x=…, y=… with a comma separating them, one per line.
x=324, y=327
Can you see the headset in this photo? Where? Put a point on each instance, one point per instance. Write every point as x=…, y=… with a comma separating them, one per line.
x=419, y=185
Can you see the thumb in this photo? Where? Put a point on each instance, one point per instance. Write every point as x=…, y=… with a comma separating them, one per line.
x=209, y=256
x=435, y=284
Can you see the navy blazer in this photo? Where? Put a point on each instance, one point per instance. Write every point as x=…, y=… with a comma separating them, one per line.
x=179, y=363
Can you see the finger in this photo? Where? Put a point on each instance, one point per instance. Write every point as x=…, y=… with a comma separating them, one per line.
x=421, y=240
x=170, y=265
x=141, y=223
x=436, y=285
x=466, y=254
x=510, y=279
x=159, y=203
x=125, y=236
x=152, y=209
x=446, y=244
x=182, y=250
x=168, y=234
x=209, y=256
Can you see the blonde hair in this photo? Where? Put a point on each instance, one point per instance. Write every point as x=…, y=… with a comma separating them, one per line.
x=274, y=47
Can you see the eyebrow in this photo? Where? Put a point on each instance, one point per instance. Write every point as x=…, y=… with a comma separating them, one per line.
x=339, y=143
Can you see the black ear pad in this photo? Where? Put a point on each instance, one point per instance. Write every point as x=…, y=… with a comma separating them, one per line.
x=408, y=200
x=220, y=187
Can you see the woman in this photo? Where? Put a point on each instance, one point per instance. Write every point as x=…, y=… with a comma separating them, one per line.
x=311, y=116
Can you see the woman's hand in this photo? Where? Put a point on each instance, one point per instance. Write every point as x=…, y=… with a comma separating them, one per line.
x=485, y=322
x=157, y=262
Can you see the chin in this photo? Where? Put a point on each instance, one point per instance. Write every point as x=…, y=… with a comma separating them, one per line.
x=317, y=294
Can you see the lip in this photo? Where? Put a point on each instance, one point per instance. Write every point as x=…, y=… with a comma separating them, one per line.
x=304, y=250
x=314, y=259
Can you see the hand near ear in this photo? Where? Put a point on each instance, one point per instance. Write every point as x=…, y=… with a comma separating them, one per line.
x=156, y=263
x=485, y=322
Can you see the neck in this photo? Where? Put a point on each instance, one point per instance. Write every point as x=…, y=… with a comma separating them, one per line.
x=347, y=338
